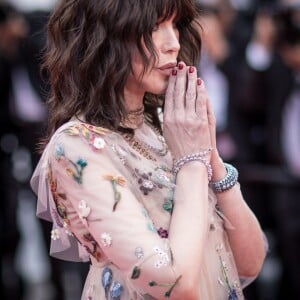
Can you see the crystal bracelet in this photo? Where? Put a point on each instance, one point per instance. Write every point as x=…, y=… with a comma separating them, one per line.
x=193, y=157
x=227, y=182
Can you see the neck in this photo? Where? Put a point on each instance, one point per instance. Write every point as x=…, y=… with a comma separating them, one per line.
x=135, y=110
x=133, y=99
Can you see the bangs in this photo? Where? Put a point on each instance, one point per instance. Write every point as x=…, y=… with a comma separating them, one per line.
x=184, y=10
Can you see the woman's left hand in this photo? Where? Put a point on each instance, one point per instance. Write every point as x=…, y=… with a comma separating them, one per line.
x=219, y=170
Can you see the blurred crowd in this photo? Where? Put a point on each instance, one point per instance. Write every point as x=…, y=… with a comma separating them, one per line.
x=251, y=67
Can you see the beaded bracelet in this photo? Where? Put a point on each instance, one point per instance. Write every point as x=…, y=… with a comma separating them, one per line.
x=193, y=157
x=227, y=182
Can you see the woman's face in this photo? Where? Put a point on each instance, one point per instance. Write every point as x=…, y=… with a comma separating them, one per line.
x=165, y=38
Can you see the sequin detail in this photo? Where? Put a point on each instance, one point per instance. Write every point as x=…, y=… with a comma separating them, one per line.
x=106, y=239
x=163, y=233
x=163, y=258
x=84, y=210
x=139, y=253
x=55, y=234
x=116, y=291
x=106, y=280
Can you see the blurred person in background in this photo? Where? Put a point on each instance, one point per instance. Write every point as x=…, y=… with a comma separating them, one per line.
x=25, y=269
x=264, y=123
x=13, y=29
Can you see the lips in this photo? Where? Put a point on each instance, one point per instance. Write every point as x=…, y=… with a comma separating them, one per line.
x=167, y=68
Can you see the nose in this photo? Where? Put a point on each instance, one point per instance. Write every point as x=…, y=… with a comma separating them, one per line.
x=171, y=41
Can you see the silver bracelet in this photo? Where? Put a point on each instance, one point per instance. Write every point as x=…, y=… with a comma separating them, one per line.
x=227, y=182
x=194, y=157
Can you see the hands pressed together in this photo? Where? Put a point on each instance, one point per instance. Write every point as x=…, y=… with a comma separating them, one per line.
x=189, y=122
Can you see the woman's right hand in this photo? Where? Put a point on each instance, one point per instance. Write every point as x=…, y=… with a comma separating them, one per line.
x=186, y=126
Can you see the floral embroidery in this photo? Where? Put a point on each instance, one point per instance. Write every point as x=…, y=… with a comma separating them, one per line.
x=136, y=273
x=67, y=229
x=94, y=251
x=55, y=234
x=168, y=205
x=84, y=211
x=150, y=224
x=115, y=180
x=98, y=143
x=232, y=292
x=106, y=239
x=146, y=183
x=116, y=291
x=139, y=252
x=90, y=134
x=60, y=214
x=106, y=280
x=59, y=151
x=163, y=260
x=163, y=233
x=172, y=285
x=77, y=168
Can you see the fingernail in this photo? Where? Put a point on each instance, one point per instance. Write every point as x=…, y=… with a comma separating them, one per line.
x=180, y=66
x=199, y=81
x=174, y=72
x=191, y=70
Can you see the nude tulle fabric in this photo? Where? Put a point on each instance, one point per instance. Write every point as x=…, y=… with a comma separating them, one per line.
x=132, y=225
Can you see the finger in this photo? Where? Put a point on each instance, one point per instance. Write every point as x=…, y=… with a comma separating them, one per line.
x=201, y=101
x=169, y=96
x=191, y=92
x=212, y=124
x=180, y=87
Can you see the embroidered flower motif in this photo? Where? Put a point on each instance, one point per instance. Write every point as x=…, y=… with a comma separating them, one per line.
x=115, y=180
x=170, y=285
x=116, y=291
x=106, y=239
x=106, y=280
x=67, y=229
x=150, y=224
x=164, y=258
x=139, y=252
x=73, y=130
x=163, y=233
x=168, y=206
x=84, y=210
x=59, y=151
x=98, y=143
x=55, y=234
x=77, y=170
x=232, y=295
x=82, y=162
x=136, y=272
x=146, y=183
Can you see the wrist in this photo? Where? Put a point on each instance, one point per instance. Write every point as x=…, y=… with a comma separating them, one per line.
x=227, y=182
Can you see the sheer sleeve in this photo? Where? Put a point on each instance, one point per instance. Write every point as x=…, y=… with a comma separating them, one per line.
x=97, y=203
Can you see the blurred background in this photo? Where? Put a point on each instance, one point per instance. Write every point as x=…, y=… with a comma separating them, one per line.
x=251, y=66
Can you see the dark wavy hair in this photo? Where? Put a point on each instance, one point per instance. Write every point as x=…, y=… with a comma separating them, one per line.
x=89, y=50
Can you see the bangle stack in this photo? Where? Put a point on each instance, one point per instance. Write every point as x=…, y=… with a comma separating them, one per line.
x=194, y=157
x=227, y=182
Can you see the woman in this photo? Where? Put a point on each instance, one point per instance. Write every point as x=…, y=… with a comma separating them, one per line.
x=150, y=211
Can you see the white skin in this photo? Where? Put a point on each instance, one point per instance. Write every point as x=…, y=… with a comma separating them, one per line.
x=189, y=127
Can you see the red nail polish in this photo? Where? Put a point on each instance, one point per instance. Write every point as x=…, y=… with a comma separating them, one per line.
x=191, y=70
x=199, y=81
x=174, y=72
x=180, y=66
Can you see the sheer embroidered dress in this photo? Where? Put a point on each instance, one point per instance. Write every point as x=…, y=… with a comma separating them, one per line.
x=112, y=205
